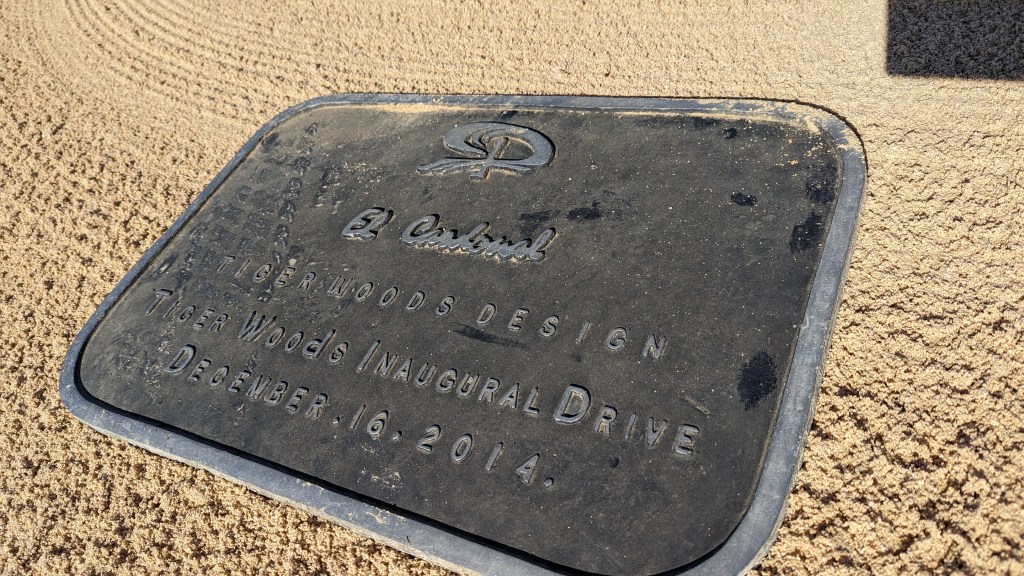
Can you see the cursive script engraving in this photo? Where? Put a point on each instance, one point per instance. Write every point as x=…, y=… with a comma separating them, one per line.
x=366, y=225
x=483, y=146
x=426, y=233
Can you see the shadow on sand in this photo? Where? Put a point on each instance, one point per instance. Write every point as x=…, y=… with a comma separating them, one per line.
x=956, y=38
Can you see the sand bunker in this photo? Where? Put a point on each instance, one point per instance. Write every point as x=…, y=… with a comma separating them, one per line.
x=113, y=117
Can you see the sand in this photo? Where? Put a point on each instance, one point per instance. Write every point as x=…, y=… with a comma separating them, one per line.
x=114, y=115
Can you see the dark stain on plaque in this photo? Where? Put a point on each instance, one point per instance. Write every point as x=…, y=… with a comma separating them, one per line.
x=661, y=121
x=480, y=335
x=758, y=379
x=820, y=186
x=808, y=234
x=532, y=221
x=741, y=199
x=702, y=123
x=592, y=212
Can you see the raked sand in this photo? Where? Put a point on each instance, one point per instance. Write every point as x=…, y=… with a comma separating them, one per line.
x=114, y=115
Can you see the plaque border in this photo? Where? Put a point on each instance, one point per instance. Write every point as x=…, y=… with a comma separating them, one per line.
x=447, y=546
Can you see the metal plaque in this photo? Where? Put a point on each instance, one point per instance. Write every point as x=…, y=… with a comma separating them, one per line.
x=514, y=335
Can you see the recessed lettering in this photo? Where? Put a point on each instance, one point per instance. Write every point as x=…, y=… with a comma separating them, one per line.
x=389, y=296
x=182, y=359
x=282, y=278
x=364, y=291
x=685, y=440
x=240, y=379
x=367, y=224
x=445, y=306
x=462, y=447
x=616, y=339
x=511, y=397
x=468, y=384
x=446, y=380
x=259, y=386
x=415, y=301
x=254, y=327
x=158, y=294
x=518, y=317
x=424, y=375
x=573, y=406
x=549, y=327
x=487, y=392
x=339, y=286
x=426, y=444
x=486, y=313
x=275, y=394
x=526, y=470
x=262, y=272
x=605, y=417
x=377, y=424
x=493, y=458
x=425, y=232
x=403, y=372
x=385, y=364
x=202, y=365
x=219, y=376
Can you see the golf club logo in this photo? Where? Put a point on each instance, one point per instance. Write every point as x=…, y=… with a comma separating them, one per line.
x=486, y=146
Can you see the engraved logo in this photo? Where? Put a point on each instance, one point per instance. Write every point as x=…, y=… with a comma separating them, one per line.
x=487, y=146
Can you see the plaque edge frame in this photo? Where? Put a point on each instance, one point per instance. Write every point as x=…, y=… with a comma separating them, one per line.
x=746, y=545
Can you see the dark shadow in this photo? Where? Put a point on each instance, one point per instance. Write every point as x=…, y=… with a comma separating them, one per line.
x=956, y=38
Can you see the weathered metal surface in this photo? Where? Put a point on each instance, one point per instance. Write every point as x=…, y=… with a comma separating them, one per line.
x=556, y=332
